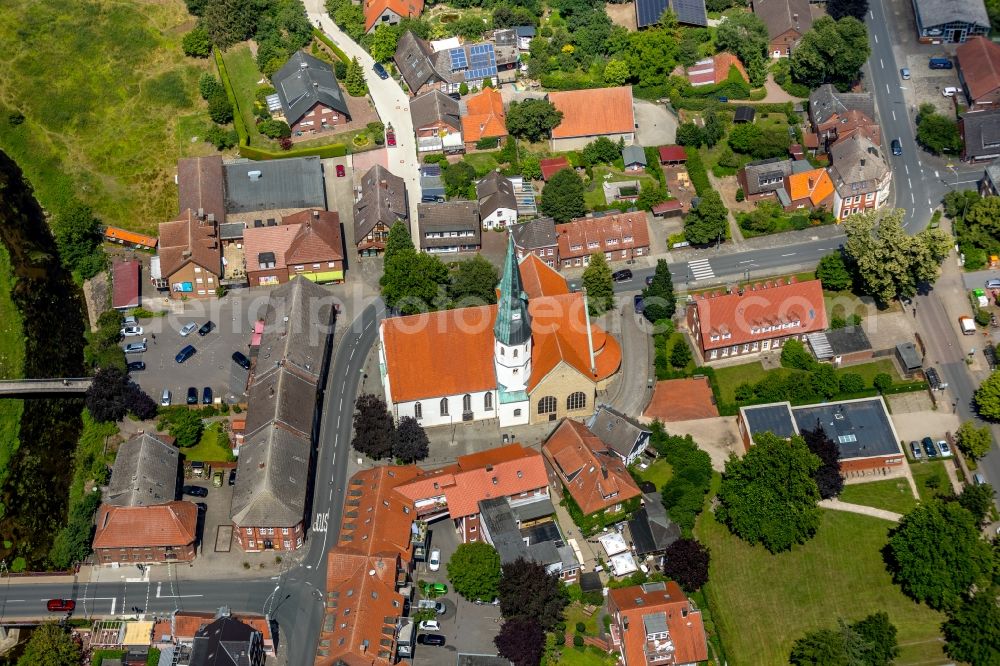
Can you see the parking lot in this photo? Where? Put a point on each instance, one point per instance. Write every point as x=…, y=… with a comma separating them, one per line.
x=219, y=502
x=467, y=627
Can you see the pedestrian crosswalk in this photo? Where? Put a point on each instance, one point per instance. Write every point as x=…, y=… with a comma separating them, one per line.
x=700, y=269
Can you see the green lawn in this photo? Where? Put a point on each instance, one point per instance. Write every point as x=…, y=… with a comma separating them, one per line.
x=732, y=376
x=657, y=473
x=889, y=494
x=924, y=472
x=100, y=100
x=211, y=448
x=585, y=656
x=244, y=75
x=574, y=613
x=762, y=602
x=869, y=370
x=483, y=163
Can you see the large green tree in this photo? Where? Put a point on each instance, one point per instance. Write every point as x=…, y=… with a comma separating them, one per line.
x=977, y=499
x=415, y=282
x=838, y=9
x=474, y=282
x=744, y=34
x=562, y=196
x=532, y=119
x=652, y=54
x=354, y=81
x=939, y=134
x=987, y=399
x=833, y=272
x=831, y=52
x=373, y=427
x=974, y=441
x=196, y=43
x=888, y=261
x=868, y=642
x=229, y=21
x=769, y=496
x=707, y=223
x=936, y=554
x=659, y=300
x=474, y=571
x=78, y=236
x=398, y=241
x=527, y=591
x=51, y=644
x=597, y=282
x=972, y=632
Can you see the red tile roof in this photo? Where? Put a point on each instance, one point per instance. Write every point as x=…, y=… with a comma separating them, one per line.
x=201, y=185
x=318, y=238
x=733, y=319
x=629, y=606
x=624, y=230
x=682, y=400
x=594, y=476
x=124, y=235
x=188, y=239
x=404, y=8
x=125, y=284
x=672, y=154
x=540, y=279
x=594, y=112
x=185, y=624
x=170, y=524
x=979, y=62
x=667, y=206
x=502, y=472
x=552, y=165
x=484, y=116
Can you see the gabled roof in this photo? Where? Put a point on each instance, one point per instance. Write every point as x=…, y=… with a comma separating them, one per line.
x=495, y=191
x=738, y=319
x=318, y=238
x=449, y=216
x=981, y=131
x=979, y=62
x=435, y=107
x=664, y=607
x=484, y=116
x=826, y=101
x=857, y=165
x=403, y=8
x=550, y=166
x=287, y=184
x=145, y=471
x=634, y=155
x=673, y=154
x=201, y=186
x=595, y=476
x=540, y=279
x=715, y=69
x=691, y=12
x=298, y=321
x=651, y=529
x=648, y=12
x=619, y=433
x=621, y=230
x=170, y=524
x=305, y=81
x=782, y=15
x=188, y=239
x=183, y=625
x=852, y=122
x=932, y=13
x=814, y=185
x=273, y=242
x=125, y=287
x=224, y=642
x=415, y=60
x=594, y=112
x=383, y=199
x=534, y=234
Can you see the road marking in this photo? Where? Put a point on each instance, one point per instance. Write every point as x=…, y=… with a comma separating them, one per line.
x=701, y=269
x=872, y=14
x=936, y=174
x=790, y=254
x=887, y=89
x=880, y=61
x=319, y=524
x=907, y=170
x=876, y=37
x=910, y=183
x=912, y=200
x=114, y=601
x=894, y=114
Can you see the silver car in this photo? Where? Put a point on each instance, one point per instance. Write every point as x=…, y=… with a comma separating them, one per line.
x=187, y=329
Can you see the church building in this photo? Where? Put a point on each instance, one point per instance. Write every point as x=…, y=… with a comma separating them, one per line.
x=534, y=356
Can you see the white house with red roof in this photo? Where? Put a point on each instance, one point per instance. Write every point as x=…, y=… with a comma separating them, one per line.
x=757, y=319
x=534, y=356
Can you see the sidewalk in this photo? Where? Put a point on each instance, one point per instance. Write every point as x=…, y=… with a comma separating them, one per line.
x=589, y=550
x=837, y=505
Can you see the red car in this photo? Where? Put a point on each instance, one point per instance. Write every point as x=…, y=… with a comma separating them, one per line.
x=340, y=171
x=61, y=605
x=390, y=137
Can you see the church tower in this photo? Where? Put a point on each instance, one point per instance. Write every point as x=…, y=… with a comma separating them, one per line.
x=512, y=331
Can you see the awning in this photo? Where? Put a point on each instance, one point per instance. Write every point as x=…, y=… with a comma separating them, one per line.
x=329, y=276
x=138, y=633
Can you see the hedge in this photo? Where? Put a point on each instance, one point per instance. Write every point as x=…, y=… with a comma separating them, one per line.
x=734, y=87
x=564, y=81
x=332, y=150
x=597, y=521
x=241, y=128
x=696, y=171
x=321, y=36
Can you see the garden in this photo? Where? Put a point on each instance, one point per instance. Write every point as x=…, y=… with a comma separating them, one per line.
x=889, y=494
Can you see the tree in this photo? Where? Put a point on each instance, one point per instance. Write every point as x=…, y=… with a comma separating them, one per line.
x=769, y=496
x=745, y=35
x=824, y=380
x=882, y=382
x=458, y=177
x=851, y=382
x=616, y=73
x=562, y=196
x=474, y=282
x=652, y=54
x=398, y=242
x=373, y=427
x=186, y=427
x=527, y=591
x=708, y=222
x=880, y=646
x=51, y=644
x=833, y=273
x=794, y=355
x=382, y=44
x=220, y=110
x=409, y=441
x=138, y=403
x=209, y=86
x=680, y=355
x=598, y=285
x=868, y=642
x=221, y=138
x=831, y=52
x=686, y=561
x=987, y=399
x=521, y=641
x=77, y=234
x=196, y=43
x=601, y=151
x=827, y=476
x=939, y=134
x=659, y=300
x=744, y=137
x=354, y=82
x=689, y=134
x=414, y=282
x=474, y=571
x=532, y=119
x=977, y=500
x=105, y=399
x=229, y=21
x=888, y=261
x=936, y=554
x=838, y=9
x=650, y=195
x=972, y=631
x=274, y=129
x=973, y=441
x=715, y=127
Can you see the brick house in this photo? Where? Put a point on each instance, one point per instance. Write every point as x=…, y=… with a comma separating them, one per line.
x=424, y=69
x=980, y=135
x=274, y=470
x=979, y=72
x=861, y=176
x=537, y=237
x=183, y=626
x=655, y=623
x=452, y=226
x=620, y=236
x=786, y=21
x=307, y=243
x=190, y=256
x=436, y=122
x=761, y=318
x=311, y=98
x=381, y=203
x=389, y=12
x=146, y=534
x=808, y=190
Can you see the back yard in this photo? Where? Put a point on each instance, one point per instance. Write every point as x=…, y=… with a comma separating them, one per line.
x=731, y=377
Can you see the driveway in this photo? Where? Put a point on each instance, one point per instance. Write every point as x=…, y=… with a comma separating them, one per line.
x=391, y=103
x=657, y=126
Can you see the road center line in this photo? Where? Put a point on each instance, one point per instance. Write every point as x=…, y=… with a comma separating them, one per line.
x=790, y=254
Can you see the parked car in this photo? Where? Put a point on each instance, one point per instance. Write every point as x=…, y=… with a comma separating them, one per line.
x=435, y=589
x=206, y=395
x=430, y=625
x=60, y=605
x=136, y=366
x=649, y=280
x=187, y=329
x=380, y=71
x=940, y=63
x=135, y=348
x=929, y=447
x=192, y=398
x=638, y=303
x=905, y=73
x=195, y=491
x=217, y=479
x=241, y=360
x=915, y=450
x=945, y=449
x=341, y=172
x=897, y=147
x=431, y=639
x=390, y=136
x=185, y=354
x=434, y=563
x=131, y=331
x=993, y=283
x=949, y=91
x=130, y=321
x=429, y=604
x=624, y=275
x=206, y=328
x=455, y=96
x=165, y=398
x=202, y=507
x=934, y=380
x=232, y=477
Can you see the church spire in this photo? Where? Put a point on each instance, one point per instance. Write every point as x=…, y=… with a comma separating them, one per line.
x=513, y=325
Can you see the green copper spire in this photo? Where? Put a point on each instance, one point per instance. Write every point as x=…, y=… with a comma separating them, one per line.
x=513, y=325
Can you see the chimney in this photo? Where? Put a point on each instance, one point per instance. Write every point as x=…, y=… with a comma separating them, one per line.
x=315, y=214
x=186, y=254
x=862, y=161
x=201, y=213
x=812, y=182
x=303, y=65
x=604, y=470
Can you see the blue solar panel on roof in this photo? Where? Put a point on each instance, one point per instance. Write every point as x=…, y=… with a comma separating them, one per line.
x=648, y=12
x=690, y=11
x=458, y=60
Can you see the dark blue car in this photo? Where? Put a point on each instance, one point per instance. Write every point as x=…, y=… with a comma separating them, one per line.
x=184, y=354
x=380, y=70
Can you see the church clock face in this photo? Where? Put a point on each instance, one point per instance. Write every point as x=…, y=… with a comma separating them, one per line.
x=515, y=316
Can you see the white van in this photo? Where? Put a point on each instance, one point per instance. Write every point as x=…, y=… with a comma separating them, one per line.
x=165, y=398
x=967, y=325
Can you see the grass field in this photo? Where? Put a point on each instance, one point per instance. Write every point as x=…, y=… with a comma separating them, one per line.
x=732, y=376
x=11, y=364
x=924, y=472
x=244, y=75
x=585, y=656
x=657, y=473
x=574, y=613
x=211, y=448
x=100, y=85
x=763, y=602
x=890, y=494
